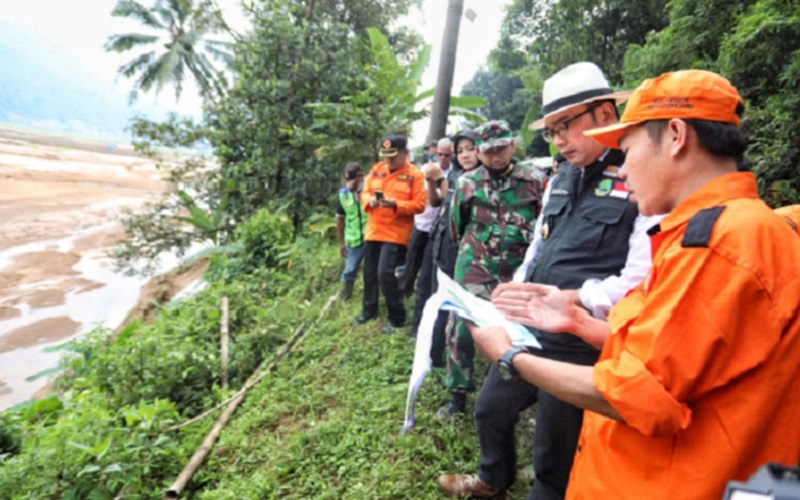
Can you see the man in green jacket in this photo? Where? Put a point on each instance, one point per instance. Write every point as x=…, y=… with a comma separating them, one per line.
x=350, y=225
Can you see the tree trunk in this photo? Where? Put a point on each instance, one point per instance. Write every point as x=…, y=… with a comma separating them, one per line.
x=447, y=65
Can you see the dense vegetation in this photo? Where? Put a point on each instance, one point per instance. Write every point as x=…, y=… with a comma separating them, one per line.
x=315, y=87
x=754, y=43
x=324, y=424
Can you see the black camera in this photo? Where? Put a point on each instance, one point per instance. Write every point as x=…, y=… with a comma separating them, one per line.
x=770, y=482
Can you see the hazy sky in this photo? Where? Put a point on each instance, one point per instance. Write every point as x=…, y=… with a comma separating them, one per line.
x=83, y=26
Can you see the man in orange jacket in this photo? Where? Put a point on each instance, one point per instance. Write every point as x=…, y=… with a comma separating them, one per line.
x=393, y=194
x=696, y=384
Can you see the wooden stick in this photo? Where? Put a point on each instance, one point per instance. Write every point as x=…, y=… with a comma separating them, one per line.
x=223, y=348
x=199, y=456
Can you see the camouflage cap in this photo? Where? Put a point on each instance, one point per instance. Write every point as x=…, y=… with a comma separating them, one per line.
x=493, y=134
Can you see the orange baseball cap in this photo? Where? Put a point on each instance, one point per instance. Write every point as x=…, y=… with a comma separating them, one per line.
x=689, y=94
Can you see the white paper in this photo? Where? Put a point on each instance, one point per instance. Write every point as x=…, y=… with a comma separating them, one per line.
x=453, y=297
x=422, y=356
x=481, y=312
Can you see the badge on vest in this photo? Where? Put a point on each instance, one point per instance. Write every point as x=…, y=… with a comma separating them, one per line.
x=612, y=171
x=620, y=191
x=604, y=188
x=545, y=231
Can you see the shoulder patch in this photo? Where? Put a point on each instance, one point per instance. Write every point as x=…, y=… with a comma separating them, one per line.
x=698, y=232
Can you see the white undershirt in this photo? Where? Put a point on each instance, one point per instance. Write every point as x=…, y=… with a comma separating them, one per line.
x=599, y=296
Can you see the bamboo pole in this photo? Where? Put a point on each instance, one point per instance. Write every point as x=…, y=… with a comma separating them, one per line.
x=223, y=348
x=199, y=456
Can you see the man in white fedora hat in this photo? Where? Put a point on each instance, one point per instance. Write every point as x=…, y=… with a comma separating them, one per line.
x=591, y=243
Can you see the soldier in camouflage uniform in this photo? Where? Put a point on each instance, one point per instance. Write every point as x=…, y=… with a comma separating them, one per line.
x=492, y=216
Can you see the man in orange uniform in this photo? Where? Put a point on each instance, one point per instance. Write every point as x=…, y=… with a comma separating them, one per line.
x=791, y=215
x=697, y=381
x=393, y=194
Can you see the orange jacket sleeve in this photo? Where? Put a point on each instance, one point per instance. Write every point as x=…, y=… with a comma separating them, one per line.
x=416, y=205
x=367, y=191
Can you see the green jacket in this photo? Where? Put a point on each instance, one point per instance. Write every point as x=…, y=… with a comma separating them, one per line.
x=355, y=220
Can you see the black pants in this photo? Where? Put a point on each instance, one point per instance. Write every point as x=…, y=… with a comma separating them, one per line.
x=416, y=250
x=439, y=341
x=558, y=426
x=380, y=261
x=424, y=283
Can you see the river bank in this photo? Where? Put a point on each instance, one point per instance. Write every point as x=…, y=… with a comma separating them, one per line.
x=60, y=203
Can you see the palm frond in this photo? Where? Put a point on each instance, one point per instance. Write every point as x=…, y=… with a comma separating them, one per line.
x=136, y=65
x=158, y=72
x=135, y=10
x=181, y=10
x=207, y=76
x=127, y=41
x=220, y=54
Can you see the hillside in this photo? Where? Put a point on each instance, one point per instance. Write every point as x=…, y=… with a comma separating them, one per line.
x=324, y=423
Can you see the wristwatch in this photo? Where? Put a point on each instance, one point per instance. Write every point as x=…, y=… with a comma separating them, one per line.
x=505, y=365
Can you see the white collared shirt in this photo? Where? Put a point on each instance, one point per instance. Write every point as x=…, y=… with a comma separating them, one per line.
x=599, y=296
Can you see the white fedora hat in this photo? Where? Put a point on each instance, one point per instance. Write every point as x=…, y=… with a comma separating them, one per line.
x=576, y=84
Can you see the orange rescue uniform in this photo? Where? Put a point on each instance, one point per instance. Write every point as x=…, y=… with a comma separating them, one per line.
x=791, y=215
x=703, y=360
x=406, y=186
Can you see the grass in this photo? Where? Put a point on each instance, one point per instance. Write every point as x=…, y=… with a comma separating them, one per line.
x=326, y=424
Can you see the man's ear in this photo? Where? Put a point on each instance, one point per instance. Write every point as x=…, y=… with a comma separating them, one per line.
x=676, y=136
x=607, y=114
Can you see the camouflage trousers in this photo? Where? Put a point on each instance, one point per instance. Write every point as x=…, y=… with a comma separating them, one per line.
x=461, y=356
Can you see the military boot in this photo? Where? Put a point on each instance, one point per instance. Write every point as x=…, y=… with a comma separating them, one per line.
x=347, y=290
x=455, y=407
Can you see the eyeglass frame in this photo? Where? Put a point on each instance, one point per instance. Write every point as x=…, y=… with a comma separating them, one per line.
x=548, y=134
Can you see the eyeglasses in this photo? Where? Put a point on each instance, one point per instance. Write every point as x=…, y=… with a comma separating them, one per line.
x=560, y=129
x=446, y=155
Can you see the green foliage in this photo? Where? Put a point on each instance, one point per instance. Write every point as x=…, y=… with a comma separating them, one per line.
x=385, y=98
x=327, y=425
x=103, y=435
x=540, y=37
x=762, y=58
x=94, y=451
x=161, y=225
x=691, y=40
x=261, y=131
x=756, y=44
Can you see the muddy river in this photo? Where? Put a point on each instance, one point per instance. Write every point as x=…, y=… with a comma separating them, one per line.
x=60, y=201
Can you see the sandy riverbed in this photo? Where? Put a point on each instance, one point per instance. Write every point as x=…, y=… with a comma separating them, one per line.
x=60, y=200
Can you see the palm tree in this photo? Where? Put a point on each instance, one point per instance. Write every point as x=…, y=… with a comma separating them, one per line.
x=447, y=65
x=179, y=42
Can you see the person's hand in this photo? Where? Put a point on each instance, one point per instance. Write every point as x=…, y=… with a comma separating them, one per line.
x=432, y=171
x=343, y=250
x=388, y=203
x=540, y=306
x=491, y=342
x=374, y=203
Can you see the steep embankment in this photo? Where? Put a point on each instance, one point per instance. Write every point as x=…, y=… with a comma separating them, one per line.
x=324, y=423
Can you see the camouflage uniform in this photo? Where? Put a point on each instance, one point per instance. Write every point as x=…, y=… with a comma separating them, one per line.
x=492, y=219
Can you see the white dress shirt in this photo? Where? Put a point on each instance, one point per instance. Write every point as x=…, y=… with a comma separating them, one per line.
x=424, y=221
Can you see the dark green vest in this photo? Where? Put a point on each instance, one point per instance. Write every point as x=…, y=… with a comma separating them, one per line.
x=585, y=228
